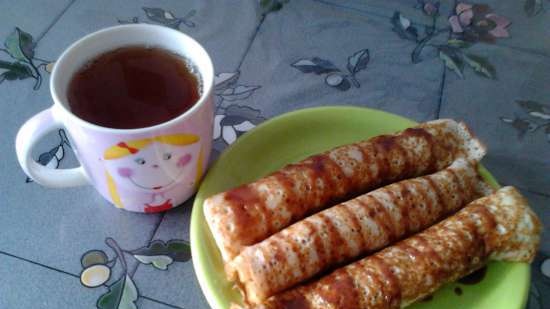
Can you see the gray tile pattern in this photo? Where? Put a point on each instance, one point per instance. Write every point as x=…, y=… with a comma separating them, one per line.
x=44, y=232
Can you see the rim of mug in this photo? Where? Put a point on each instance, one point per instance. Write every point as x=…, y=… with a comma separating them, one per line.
x=206, y=85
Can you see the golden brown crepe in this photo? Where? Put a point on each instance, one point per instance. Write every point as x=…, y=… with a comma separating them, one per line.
x=250, y=213
x=497, y=227
x=353, y=228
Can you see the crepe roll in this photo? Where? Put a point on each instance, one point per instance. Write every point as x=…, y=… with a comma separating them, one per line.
x=353, y=228
x=498, y=227
x=250, y=213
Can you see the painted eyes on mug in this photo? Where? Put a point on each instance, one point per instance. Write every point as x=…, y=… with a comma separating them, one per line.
x=141, y=161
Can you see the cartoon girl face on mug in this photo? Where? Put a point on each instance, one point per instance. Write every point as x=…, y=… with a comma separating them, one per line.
x=152, y=166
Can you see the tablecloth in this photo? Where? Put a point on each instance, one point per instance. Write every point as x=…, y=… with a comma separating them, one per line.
x=484, y=62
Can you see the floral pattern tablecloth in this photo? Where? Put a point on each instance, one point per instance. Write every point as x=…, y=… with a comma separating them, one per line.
x=484, y=62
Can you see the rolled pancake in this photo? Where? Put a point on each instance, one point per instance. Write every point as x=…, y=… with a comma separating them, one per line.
x=353, y=228
x=498, y=227
x=252, y=212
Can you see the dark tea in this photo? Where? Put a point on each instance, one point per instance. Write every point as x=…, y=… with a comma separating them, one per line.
x=133, y=87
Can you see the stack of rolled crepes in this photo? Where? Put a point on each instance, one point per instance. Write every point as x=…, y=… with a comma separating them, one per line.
x=498, y=227
x=265, y=255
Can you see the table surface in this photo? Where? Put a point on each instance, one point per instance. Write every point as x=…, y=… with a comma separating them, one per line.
x=271, y=57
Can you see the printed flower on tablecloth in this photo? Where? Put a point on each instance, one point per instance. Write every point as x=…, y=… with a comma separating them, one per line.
x=429, y=8
x=476, y=22
x=235, y=120
x=231, y=121
x=468, y=25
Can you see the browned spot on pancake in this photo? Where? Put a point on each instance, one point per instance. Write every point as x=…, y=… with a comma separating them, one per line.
x=424, y=134
x=406, y=206
x=439, y=207
x=426, y=216
x=291, y=199
x=377, y=285
x=489, y=224
x=416, y=255
x=342, y=184
x=355, y=225
x=246, y=204
x=392, y=289
x=317, y=242
x=436, y=263
x=288, y=300
x=243, y=195
x=369, y=180
x=406, y=168
x=339, y=290
x=317, y=166
x=380, y=148
x=279, y=257
x=463, y=196
x=419, y=259
x=336, y=184
x=295, y=247
x=338, y=244
x=361, y=180
x=478, y=245
x=403, y=224
x=382, y=219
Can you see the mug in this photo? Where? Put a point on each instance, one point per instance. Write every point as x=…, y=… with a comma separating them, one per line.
x=148, y=169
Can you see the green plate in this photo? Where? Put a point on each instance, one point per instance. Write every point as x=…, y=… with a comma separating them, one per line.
x=294, y=136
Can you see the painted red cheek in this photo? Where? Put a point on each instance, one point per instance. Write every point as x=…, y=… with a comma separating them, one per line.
x=184, y=160
x=125, y=171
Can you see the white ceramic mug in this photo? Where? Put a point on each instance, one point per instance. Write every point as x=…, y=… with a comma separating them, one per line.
x=144, y=170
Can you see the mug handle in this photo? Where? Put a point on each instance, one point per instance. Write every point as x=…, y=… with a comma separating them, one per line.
x=32, y=131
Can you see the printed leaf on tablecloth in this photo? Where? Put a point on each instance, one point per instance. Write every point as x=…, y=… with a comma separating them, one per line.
x=458, y=43
x=480, y=65
x=315, y=65
x=522, y=126
x=178, y=250
x=358, y=61
x=158, y=261
x=159, y=15
x=240, y=92
x=224, y=80
x=14, y=71
x=535, y=109
x=121, y=295
x=20, y=45
x=245, y=112
x=452, y=61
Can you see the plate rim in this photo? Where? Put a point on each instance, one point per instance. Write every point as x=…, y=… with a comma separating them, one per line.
x=196, y=250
